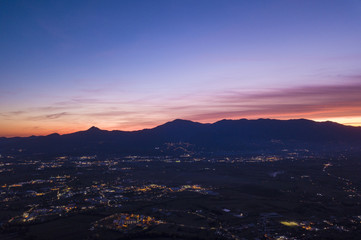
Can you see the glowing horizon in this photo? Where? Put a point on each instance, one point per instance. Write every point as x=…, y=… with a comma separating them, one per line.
x=68, y=66
x=130, y=129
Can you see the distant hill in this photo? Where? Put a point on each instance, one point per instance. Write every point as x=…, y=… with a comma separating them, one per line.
x=183, y=136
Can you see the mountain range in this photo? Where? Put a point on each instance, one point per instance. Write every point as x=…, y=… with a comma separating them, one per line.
x=183, y=136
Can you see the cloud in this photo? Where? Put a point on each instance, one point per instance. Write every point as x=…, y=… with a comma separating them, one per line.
x=110, y=113
x=49, y=116
x=303, y=102
x=56, y=115
x=16, y=112
x=11, y=115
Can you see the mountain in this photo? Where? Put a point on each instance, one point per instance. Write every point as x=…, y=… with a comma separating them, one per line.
x=183, y=136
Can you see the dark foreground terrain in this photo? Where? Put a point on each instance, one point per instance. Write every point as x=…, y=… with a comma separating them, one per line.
x=296, y=195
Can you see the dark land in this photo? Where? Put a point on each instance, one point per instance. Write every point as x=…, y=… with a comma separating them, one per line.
x=294, y=196
x=186, y=190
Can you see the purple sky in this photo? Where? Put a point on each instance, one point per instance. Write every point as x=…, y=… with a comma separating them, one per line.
x=68, y=65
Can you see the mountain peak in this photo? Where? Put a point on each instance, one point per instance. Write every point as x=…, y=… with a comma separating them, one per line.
x=51, y=135
x=178, y=124
x=93, y=129
x=180, y=121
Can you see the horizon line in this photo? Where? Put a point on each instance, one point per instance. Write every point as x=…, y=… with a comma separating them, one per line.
x=227, y=119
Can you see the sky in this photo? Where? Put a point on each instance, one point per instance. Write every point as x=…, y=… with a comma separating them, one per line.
x=130, y=64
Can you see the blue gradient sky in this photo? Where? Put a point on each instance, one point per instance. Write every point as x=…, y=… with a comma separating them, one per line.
x=68, y=65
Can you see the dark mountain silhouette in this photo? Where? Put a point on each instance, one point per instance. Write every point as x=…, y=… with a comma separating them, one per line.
x=183, y=136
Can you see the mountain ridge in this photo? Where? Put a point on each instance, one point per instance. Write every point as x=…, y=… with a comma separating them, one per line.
x=225, y=135
x=96, y=129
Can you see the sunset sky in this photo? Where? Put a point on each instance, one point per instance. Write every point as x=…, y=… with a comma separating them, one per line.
x=68, y=65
